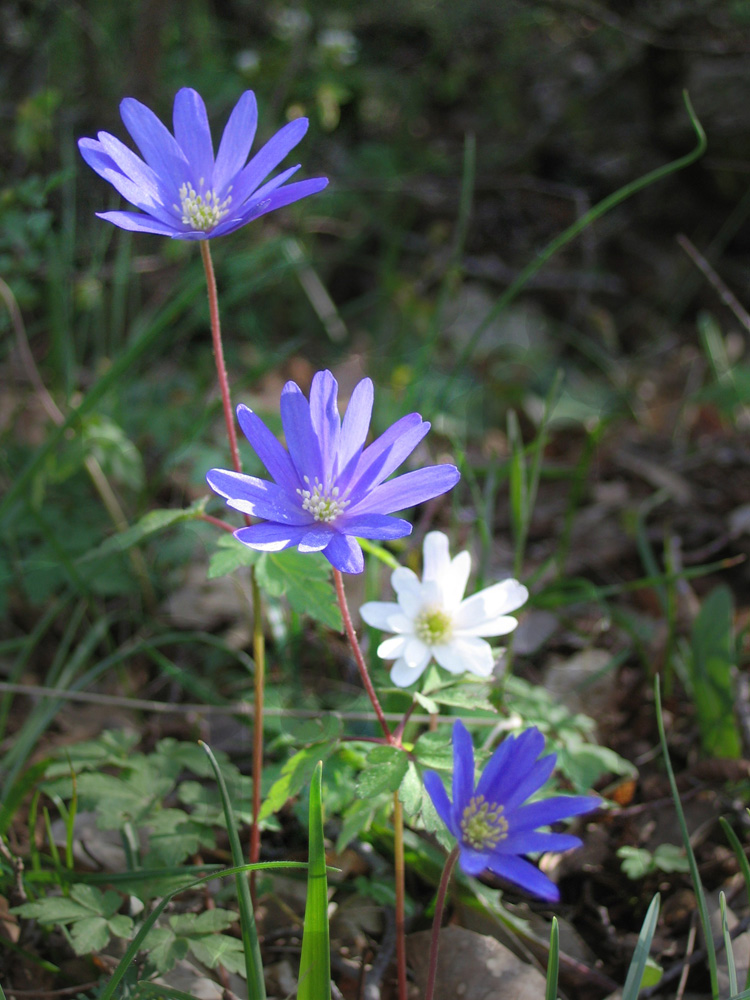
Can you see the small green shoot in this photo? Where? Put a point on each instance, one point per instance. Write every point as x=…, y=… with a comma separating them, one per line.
x=634, y=980
x=553, y=962
x=315, y=961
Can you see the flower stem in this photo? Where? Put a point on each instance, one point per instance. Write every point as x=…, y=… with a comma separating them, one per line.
x=259, y=656
x=437, y=921
x=361, y=665
x=221, y=370
x=258, y=641
x=398, y=864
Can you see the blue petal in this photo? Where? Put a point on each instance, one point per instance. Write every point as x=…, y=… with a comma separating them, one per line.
x=436, y=791
x=257, y=497
x=524, y=874
x=474, y=862
x=547, y=811
x=386, y=453
x=275, y=458
x=324, y=415
x=374, y=526
x=509, y=764
x=344, y=553
x=533, y=842
x=270, y=537
x=157, y=144
x=301, y=441
x=316, y=539
x=236, y=141
x=531, y=782
x=292, y=192
x=267, y=159
x=354, y=428
x=193, y=134
x=126, y=162
x=463, y=771
x=131, y=177
x=137, y=222
x=410, y=489
x=263, y=192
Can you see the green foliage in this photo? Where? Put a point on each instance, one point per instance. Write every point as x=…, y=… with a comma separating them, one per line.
x=90, y=915
x=710, y=661
x=637, y=862
x=199, y=933
x=302, y=578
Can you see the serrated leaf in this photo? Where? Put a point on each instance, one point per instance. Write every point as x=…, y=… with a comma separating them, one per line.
x=354, y=821
x=435, y=750
x=165, y=949
x=410, y=792
x=230, y=555
x=89, y=935
x=212, y=949
x=209, y=922
x=295, y=775
x=384, y=771
x=465, y=695
x=150, y=524
x=304, y=579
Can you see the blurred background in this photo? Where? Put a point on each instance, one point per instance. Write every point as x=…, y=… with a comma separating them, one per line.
x=459, y=139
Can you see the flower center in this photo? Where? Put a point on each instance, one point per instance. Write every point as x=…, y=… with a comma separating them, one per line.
x=483, y=824
x=202, y=211
x=323, y=504
x=433, y=626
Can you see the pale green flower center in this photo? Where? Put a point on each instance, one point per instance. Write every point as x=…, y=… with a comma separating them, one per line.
x=202, y=211
x=483, y=824
x=433, y=626
x=324, y=504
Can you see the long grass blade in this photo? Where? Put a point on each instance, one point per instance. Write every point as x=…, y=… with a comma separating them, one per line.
x=553, y=962
x=640, y=956
x=256, y=987
x=731, y=967
x=694, y=874
x=315, y=961
x=744, y=864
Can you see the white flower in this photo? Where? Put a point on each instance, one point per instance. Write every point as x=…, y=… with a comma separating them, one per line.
x=432, y=619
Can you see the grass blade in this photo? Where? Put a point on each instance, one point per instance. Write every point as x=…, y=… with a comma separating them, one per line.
x=315, y=961
x=256, y=987
x=731, y=967
x=640, y=956
x=694, y=874
x=553, y=962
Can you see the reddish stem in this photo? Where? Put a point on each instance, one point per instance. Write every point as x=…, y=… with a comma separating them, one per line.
x=258, y=641
x=437, y=921
x=398, y=865
x=221, y=370
x=217, y=521
x=360, y=660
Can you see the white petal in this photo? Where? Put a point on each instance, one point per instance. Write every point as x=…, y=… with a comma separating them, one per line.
x=436, y=560
x=379, y=614
x=390, y=649
x=491, y=603
x=501, y=625
x=455, y=583
x=403, y=675
x=463, y=655
x=408, y=589
x=415, y=652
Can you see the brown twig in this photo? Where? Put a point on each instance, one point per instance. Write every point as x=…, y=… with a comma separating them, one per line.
x=727, y=296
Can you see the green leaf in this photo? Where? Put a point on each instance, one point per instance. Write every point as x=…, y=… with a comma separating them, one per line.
x=427, y=703
x=634, y=980
x=410, y=792
x=230, y=555
x=315, y=960
x=174, y=836
x=465, y=694
x=435, y=750
x=304, y=579
x=165, y=949
x=710, y=668
x=355, y=819
x=384, y=771
x=296, y=774
x=89, y=935
x=150, y=524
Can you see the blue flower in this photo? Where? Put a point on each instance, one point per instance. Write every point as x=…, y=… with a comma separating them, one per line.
x=181, y=189
x=493, y=826
x=328, y=489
